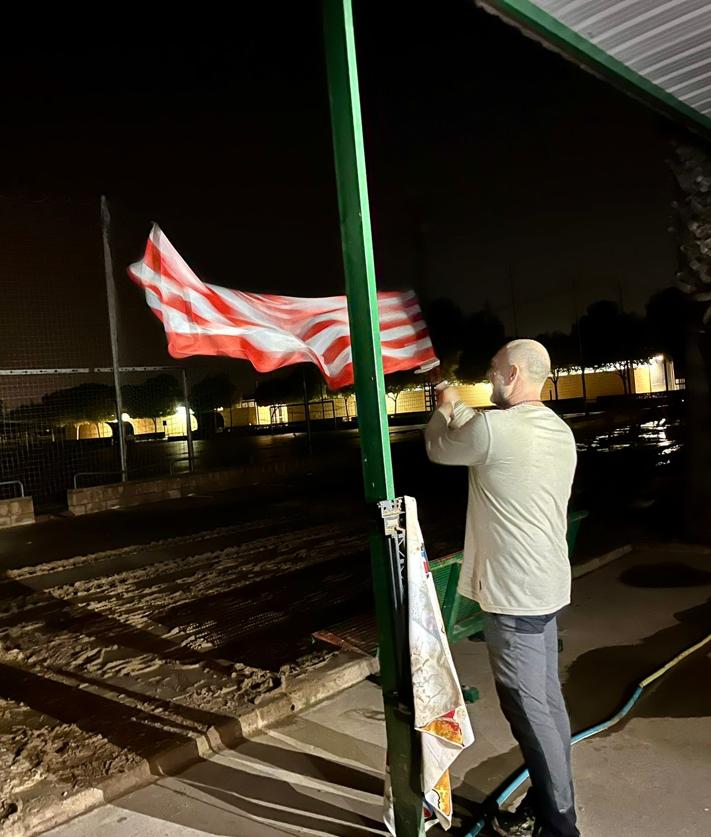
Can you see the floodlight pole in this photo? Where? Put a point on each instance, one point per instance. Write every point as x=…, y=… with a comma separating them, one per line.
x=113, y=332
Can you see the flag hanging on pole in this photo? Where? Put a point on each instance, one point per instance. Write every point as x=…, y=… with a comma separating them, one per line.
x=441, y=715
x=272, y=331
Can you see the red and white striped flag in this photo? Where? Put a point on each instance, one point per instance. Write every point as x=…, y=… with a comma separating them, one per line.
x=271, y=331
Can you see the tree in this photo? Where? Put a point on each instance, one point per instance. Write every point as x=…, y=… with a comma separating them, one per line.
x=691, y=166
x=397, y=382
x=30, y=415
x=482, y=336
x=212, y=392
x=207, y=396
x=611, y=337
x=666, y=326
x=288, y=388
x=563, y=351
x=86, y=402
x=445, y=323
x=155, y=398
x=346, y=394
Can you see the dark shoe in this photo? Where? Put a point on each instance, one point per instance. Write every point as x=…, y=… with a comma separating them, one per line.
x=517, y=823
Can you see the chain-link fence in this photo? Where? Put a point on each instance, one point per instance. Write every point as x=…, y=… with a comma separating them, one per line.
x=63, y=372
x=52, y=426
x=59, y=417
x=59, y=428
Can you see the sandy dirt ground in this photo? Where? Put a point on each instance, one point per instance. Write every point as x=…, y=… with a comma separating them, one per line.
x=110, y=658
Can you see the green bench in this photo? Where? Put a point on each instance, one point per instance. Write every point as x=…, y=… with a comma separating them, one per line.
x=462, y=617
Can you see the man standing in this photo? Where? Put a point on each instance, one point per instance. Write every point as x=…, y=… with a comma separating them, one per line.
x=521, y=462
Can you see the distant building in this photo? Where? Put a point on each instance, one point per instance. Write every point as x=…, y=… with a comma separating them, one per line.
x=166, y=426
x=655, y=376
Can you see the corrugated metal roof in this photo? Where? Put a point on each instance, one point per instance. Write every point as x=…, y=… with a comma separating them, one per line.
x=663, y=47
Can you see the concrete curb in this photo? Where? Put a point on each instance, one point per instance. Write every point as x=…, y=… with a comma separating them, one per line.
x=580, y=570
x=339, y=673
x=16, y=511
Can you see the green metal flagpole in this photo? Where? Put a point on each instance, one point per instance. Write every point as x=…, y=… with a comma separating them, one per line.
x=403, y=744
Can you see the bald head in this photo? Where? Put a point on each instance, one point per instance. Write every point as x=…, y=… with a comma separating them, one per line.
x=518, y=372
x=532, y=359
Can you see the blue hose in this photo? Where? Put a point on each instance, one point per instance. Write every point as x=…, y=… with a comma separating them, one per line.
x=522, y=775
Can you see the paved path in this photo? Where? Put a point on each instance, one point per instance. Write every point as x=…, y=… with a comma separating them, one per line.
x=320, y=773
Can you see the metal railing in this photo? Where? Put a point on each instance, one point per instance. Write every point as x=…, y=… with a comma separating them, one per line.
x=15, y=482
x=187, y=459
x=131, y=474
x=75, y=481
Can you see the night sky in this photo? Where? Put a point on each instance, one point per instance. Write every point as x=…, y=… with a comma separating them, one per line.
x=495, y=167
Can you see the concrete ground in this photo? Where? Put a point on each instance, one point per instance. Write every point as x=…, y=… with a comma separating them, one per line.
x=321, y=773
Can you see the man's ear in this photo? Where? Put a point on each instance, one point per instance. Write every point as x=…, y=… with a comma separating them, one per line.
x=513, y=374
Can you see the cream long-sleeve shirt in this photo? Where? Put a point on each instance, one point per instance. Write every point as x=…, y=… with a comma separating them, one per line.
x=521, y=465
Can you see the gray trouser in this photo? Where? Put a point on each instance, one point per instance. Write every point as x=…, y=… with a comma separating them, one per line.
x=524, y=658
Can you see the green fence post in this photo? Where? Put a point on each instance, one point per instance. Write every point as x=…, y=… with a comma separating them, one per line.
x=403, y=744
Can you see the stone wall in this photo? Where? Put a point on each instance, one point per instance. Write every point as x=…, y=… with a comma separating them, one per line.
x=16, y=512
x=139, y=492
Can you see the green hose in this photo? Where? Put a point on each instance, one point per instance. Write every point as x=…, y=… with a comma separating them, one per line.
x=520, y=777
